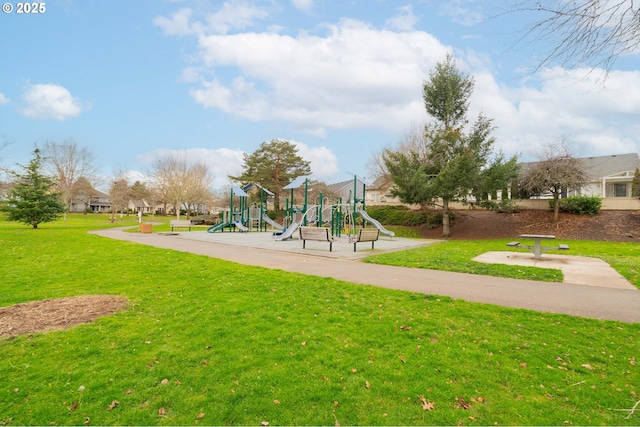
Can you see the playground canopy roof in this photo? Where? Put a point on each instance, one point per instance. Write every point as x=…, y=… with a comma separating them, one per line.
x=296, y=183
x=238, y=191
x=249, y=186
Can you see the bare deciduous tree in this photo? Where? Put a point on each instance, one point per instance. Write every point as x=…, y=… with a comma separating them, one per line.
x=67, y=162
x=412, y=141
x=119, y=193
x=556, y=171
x=583, y=32
x=179, y=182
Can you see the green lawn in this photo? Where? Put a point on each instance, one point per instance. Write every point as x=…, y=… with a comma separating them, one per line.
x=206, y=341
x=457, y=255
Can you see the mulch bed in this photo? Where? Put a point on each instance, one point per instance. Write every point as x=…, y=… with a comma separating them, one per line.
x=56, y=314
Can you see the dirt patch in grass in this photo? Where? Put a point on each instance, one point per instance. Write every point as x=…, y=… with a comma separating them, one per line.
x=56, y=314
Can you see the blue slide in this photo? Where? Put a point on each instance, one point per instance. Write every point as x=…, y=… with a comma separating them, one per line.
x=375, y=223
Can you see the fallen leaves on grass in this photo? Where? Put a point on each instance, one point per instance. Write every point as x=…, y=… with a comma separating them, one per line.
x=367, y=384
x=462, y=404
x=587, y=366
x=113, y=405
x=162, y=412
x=426, y=406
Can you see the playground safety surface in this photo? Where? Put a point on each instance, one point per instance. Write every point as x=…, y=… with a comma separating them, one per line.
x=601, y=299
x=342, y=247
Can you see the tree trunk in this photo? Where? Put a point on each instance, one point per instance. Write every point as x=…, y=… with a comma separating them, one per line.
x=446, y=227
x=556, y=207
x=276, y=201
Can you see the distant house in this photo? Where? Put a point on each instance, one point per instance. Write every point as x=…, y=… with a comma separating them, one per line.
x=380, y=192
x=140, y=205
x=97, y=201
x=344, y=189
x=610, y=176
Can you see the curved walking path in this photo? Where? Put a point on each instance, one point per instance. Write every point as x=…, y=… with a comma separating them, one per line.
x=566, y=298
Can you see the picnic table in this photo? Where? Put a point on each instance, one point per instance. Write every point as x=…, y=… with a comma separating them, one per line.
x=537, y=249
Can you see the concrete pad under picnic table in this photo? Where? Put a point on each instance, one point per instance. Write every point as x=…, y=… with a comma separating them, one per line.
x=578, y=270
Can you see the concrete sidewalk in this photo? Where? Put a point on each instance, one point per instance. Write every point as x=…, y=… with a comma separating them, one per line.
x=573, y=299
x=578, y=270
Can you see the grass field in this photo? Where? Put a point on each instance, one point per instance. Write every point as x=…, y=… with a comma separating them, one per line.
x=456, y=255
x=205, y=341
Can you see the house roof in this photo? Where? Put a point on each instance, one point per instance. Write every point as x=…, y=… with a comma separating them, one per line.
x=381, y=183
x=603, y=166
x=343, y=188
x=598, y=167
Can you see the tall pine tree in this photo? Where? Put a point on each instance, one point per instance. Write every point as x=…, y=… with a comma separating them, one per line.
x=454, y=161
x=273, y=165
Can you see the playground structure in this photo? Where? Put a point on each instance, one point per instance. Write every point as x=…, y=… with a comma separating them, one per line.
x=339, y=217
x=245, y=217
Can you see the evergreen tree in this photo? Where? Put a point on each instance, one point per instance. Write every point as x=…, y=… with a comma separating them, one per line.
x=452, y=162
x=273, y=165
x=30, y=200
x=635, y=185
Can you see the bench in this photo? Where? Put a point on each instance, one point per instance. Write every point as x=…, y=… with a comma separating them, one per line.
x=319, y=234
x=366, y=235
x=180, y=223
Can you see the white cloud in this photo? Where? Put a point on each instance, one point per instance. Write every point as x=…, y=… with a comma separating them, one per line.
x=4, y=99
x=323, y=162
x=235, y=14
x=221, y=161
x=461, y=13
x=354, y=76
x=178, y=24
x=595, y=120
x=405, y=20
x=51, y=101
x=303, y=5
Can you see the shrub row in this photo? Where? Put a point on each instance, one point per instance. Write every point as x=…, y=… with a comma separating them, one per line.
x=401, y=215
x=502, y=206
x=579, y=205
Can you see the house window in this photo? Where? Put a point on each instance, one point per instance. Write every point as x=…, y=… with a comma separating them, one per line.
x=620, y=190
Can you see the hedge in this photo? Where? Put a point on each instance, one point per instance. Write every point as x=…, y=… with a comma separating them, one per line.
x=579, y=205
x=401, y=215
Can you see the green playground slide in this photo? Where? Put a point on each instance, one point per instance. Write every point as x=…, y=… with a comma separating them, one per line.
x=218, y=227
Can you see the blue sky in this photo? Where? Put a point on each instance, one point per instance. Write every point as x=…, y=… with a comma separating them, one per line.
x=134, y=79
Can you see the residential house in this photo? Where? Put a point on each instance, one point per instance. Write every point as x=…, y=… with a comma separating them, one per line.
x=610, y=176
x=97, y=201
x=379, y=192
x=140, y=205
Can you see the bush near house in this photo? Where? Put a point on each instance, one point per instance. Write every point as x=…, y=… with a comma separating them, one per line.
x=501, y=206
x=402, y=215
x=579, y=205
